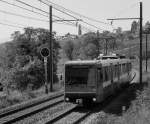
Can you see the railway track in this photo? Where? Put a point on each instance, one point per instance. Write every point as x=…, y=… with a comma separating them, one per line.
x=24, y=110
x=72, y=115
x=75, y=114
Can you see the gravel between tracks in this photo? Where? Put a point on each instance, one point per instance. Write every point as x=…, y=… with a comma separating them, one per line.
x=38, y=117
x=71, y=118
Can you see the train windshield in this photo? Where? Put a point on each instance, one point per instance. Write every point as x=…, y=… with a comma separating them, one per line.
x=79, y=75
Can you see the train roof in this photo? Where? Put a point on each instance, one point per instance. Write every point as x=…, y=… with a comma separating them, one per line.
x=98, y=62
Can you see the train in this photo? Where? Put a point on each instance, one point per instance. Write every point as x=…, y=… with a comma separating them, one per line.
x=94, y=80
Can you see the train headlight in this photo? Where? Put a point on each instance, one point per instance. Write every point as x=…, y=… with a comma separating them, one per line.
x=67, y=99
x=94, y=99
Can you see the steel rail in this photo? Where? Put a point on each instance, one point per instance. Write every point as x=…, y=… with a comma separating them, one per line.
x=61, y=114
x=19, y=113
x=82, y=118
x=22, y=106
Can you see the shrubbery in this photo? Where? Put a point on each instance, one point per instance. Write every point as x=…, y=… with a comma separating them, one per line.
x=23, y=64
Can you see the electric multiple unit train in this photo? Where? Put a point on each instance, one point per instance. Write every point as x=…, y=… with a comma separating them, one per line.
x=94, y=80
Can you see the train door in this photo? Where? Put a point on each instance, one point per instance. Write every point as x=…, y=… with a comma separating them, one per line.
x=99, y=84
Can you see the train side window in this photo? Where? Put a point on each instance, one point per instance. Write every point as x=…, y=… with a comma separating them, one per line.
x=100, y=75
x=115, y=70
x=124, y=69
x=91, y=76
x=119, y=68
x=106, y=73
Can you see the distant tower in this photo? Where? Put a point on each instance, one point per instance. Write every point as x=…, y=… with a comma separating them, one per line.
x=79, y=30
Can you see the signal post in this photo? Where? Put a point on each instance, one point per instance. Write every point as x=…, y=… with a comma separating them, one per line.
x=45, y=53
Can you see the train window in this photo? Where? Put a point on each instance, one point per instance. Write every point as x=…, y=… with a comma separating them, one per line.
x=119, y=68
x=91, y=77
x=113, y=70
x=76, y=75
x=106, y=74
x=100, y=75
x=116, y=70
x=123, y=68
x=129, y=67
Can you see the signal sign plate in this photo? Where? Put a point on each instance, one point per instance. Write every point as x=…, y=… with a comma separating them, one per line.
x=45, y=52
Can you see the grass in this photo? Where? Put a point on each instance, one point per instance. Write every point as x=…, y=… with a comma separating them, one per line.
x=16, y=97
x=137, y=113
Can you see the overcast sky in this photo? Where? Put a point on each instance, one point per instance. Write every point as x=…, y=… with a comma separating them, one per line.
x=97, y=9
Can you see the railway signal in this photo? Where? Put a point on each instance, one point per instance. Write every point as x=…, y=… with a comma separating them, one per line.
x=45, y=53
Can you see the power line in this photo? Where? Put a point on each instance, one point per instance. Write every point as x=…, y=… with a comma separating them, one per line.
x=31, y=6
x=37, y=19
x=74, y=25
x=92, y=25
x=34, y=7
x=23, y=8
x=78, y=13
x=58, y=9
x=10, y=25
x=14, y=14
x=27, y=9
x=72, y=16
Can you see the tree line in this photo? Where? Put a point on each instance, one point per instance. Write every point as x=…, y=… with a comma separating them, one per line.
x=22, y=64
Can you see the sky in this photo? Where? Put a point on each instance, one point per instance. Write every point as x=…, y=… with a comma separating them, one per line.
x=96, y=9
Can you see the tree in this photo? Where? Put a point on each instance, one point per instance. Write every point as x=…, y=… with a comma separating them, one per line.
x=134, y=27
x=68, y=49
x=24, y=60
x=147, y=27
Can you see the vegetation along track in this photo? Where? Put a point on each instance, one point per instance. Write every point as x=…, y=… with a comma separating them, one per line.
x=21, y=111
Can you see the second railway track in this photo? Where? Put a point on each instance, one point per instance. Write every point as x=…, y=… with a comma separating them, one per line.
x=19, y=112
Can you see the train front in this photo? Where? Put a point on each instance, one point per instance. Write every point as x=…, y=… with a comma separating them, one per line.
x=80, y=81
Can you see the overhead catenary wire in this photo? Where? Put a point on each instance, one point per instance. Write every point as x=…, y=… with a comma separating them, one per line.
x=31, y=7
x=34, y=7
x=23, y=8
x=78, y=14
x=10, y=25
x=92, y=25
x=19, y=15
x=58, y=9
x=37, y=19
x=71, y=15
x=123, y=10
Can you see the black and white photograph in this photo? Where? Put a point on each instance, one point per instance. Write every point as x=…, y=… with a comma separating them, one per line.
x=74, y=62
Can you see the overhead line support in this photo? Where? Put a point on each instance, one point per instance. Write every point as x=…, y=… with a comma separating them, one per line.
x=51, y=48
x=141, y=21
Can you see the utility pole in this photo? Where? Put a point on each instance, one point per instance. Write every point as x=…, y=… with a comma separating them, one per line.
x=146, y=52
x=51, y=44
x=51, y=48
x=141, y=32
x=141, y=21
